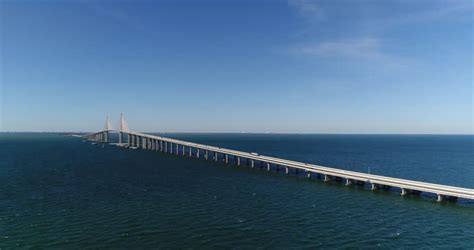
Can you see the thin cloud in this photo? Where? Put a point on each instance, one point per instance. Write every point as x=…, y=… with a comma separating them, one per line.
x=440, y=11
x=307, y=9
x=355, y=48
x=367, y=50
x=369, y=44
x=121, y=17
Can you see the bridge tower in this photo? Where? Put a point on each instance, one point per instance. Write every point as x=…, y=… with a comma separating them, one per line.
x=107, y=128
x=123, y=128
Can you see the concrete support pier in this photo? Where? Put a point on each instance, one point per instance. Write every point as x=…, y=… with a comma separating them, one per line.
x=440, y=198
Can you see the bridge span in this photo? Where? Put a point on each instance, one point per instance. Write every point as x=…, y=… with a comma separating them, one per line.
x=137, y=140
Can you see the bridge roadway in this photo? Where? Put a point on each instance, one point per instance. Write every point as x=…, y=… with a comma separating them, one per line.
x=443, y=192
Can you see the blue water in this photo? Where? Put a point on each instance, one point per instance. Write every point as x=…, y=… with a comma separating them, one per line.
x=59, y=192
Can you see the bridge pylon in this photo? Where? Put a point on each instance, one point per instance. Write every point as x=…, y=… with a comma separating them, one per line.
x=123, y=128
x=107, y=128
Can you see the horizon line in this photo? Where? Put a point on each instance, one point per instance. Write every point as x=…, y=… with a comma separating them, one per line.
x=281, y=133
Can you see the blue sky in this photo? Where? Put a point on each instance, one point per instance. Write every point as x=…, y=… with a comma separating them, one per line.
x=238, y=66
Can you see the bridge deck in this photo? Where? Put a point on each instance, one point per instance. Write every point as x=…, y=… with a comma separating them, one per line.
x=444, y=190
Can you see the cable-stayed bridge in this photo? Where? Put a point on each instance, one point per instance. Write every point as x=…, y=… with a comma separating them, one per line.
x=135, y=140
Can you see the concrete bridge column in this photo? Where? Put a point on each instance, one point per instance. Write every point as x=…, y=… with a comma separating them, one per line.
x=166, y=147
x=374, y=186
x=216, y=156
x=190, y=152
x=308, y=174
x=161, y=145
x=177, y=149
x=157, y=145
x=287, y=170
x=184, y=150
x=348, y=182
x=197, y=153
x=268, y=166
x=440, y=198
x=226, y=159
x=404, y=192
x=327, y=178
x=133, y=140
x=120, y=138
x=252, y=163
x=238, y=161
x=206, y=155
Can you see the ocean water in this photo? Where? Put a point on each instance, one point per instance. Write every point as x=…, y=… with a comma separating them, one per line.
x=61, y=192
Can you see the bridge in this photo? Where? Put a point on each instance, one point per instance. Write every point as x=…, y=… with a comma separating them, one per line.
x=136, y=140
